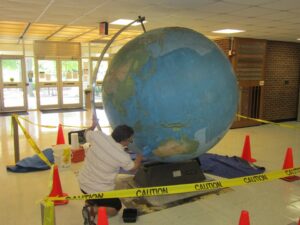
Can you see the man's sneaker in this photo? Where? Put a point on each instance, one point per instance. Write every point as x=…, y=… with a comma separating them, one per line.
x=87, y=215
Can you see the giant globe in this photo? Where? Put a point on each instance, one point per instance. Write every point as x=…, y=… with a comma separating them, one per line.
x=177, y=90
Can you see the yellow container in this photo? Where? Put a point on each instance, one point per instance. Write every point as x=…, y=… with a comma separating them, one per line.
x=62, y=155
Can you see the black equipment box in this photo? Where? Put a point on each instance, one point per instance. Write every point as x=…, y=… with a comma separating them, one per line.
x=129, y=215
x=161, y=174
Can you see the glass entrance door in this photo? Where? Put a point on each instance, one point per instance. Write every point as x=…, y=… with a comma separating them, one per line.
x=59, y=84
x=12, y=84
x=47, y=84
x=71, y=84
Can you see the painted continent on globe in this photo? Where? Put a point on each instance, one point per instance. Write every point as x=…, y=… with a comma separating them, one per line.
x=177, y=90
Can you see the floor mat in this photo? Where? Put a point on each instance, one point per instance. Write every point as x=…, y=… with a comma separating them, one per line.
x=10, y=113
x=62, y=110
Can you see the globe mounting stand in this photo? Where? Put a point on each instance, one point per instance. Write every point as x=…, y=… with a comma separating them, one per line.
x=162, y=174
x=100, y=59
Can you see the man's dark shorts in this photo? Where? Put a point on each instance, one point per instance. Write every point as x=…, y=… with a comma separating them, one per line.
x=106, y=202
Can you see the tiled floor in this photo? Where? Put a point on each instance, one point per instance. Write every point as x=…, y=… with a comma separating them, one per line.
x=270, y=203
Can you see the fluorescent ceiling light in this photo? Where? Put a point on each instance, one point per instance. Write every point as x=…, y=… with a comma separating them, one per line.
x=228, y=31
x=126, y=22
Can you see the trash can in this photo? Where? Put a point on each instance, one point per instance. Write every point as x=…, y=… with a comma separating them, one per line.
x=88, y=97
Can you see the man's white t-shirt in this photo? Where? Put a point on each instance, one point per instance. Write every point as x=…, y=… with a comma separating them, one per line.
x=102, y=163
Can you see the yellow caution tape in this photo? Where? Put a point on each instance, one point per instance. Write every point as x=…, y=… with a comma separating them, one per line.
x=183, y=188
x=50, y=184
x=49, y=126
x=268, y=122
x=48, y=212
x=238, y=115
x=32, y=142
x=172, y=189
x=28, y=121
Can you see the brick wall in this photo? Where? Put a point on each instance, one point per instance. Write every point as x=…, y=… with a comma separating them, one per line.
x=281, y=90
x=282, y=79
x=224, y=44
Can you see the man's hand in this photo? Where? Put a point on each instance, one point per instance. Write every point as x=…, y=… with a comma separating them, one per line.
x=137, y=162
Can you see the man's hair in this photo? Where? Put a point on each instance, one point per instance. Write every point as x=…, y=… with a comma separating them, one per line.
x=122, y=133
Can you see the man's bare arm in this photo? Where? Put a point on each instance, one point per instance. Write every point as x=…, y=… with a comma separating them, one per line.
x=137, y=162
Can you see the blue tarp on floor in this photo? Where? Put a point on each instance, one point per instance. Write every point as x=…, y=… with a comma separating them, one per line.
x=34, y=163
x=219, y=165
x=228, y=167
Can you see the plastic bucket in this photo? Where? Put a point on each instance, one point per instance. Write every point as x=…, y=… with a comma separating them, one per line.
x=62, y=155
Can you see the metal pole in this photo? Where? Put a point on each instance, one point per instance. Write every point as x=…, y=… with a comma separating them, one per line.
x=16, y=139
x=95, y=71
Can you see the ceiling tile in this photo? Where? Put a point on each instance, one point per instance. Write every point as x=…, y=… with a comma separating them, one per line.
x=282, y=5
x=250, y=2
x=221, y=7
x=260, y=18
x=253, y=11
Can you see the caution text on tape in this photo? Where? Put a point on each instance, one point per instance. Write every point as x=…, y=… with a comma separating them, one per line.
x=183, y=188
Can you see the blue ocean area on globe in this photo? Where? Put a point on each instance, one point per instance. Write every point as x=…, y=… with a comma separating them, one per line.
x=176, y=88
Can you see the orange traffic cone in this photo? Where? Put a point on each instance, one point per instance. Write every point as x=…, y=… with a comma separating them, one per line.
x=246, y=155
x=244, y=218
x=288, y=161
x=60, y=135
x=289, y=164
x=56, y=188
x=102, y=216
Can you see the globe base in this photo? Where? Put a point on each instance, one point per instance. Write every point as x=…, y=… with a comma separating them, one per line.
x=163, y=174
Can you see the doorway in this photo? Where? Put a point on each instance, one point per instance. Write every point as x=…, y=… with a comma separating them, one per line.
x=59, y=83
x=13, y=91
